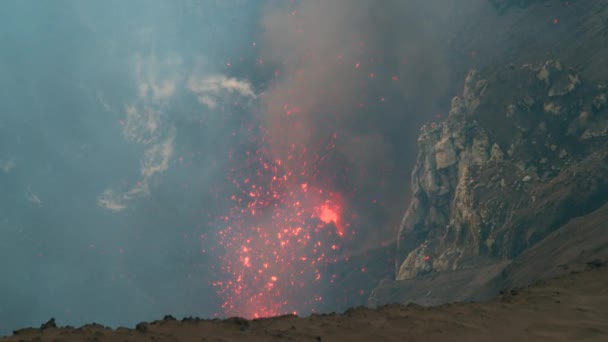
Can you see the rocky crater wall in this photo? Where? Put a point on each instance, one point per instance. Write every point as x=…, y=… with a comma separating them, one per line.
x=522, y=151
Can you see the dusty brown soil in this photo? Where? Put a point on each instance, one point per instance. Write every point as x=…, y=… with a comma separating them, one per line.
x=569, y=308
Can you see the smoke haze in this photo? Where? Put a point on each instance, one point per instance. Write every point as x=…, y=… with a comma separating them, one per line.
x=369, y=72
x=119, y=119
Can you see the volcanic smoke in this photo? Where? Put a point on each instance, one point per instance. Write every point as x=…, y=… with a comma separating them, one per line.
x=323, y=149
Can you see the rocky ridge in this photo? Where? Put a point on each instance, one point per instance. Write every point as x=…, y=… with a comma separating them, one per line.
x=522, y=151
x=569, y=308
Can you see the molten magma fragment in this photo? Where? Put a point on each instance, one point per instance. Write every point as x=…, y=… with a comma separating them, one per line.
x=274, y=240
x=331, y=214
x=277, y=238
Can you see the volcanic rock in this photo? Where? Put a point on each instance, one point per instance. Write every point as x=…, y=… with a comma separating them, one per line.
x=49, y=324
x=523, y=151
x=471, y=200
x=142, y=327
x=570, y=308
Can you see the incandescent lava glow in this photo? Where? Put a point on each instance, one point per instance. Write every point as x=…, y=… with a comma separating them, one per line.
x=286, y=223
x=330, y=214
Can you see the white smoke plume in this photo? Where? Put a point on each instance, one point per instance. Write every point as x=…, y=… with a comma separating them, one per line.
x=211, y=89
x=147, y=121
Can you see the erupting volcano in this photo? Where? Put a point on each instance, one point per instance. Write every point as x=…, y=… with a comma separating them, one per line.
x=312, y=170
x=287, y=222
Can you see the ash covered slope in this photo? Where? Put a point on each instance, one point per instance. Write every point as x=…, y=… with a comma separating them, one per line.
x=532, y=31
x=570, y=308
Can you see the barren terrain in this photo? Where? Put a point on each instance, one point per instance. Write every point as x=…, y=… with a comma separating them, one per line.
x=569, y=308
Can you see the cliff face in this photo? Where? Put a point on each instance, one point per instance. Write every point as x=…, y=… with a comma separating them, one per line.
x=522, y=151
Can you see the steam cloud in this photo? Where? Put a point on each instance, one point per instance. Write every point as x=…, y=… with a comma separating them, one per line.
x=209, y=89
x=110, y=169
x=144, y=124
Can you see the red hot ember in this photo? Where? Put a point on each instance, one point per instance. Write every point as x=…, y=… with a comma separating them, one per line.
x=284, y=226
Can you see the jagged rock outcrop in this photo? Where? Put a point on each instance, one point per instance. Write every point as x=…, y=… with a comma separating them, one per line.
x=522, y=151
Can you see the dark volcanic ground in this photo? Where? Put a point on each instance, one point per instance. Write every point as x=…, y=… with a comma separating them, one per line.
x=571, y=308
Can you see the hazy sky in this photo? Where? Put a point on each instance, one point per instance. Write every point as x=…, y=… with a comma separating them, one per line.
x=118, y=120
x=95, y=100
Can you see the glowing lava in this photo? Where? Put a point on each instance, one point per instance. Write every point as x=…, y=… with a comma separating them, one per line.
x=330, y=213
x=276, y=239
x=289, y=218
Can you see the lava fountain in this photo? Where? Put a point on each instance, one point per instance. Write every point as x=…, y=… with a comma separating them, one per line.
x=285, y=224
x=290, y=215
